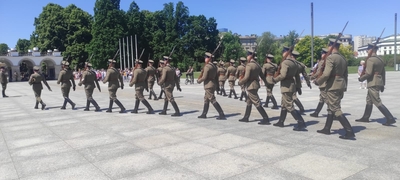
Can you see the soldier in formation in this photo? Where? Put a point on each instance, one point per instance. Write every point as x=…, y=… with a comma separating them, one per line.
x=221, y=78
x=159, y=73
x=231, y=75
x=35, y=81
x=239, y=71
x=322, y=92
x=269, y=68
x=151, y=78
x=302, y=70
x=169, y=80
x=139, y=79
x=115, y=81
x=66, y=78
x=3, y=79
x=90, y=82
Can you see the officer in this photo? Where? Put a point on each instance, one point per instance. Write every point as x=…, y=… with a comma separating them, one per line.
x=221, y=78
x=250, y=80
x=114, y=78
x=230, y=73
x=288, y=76
x=140, y=82
x=159, y=73
x=66, y=77
x=375, y=75
x=269, y=68
x=322, y=92
x=335, y=75
x=90, y=81
x=239, y=71
x=36, y=82
x=210, y=78
x=3, y=79
x=169, y=80
x=302, y=70
x=151, y=73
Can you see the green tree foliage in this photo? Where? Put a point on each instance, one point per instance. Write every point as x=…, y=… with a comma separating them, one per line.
x=23, y=45
x=3, y=48
x=304, y=48
x=231, y=46
x=268, y=44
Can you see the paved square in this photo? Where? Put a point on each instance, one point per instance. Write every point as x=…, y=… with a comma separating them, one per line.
x=77, y=144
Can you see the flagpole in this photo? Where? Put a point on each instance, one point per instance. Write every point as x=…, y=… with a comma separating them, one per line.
x=312, y=35
x=120, y=56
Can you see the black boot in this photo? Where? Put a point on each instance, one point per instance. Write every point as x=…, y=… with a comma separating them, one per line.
x=273, y=100
x=64, y=104
x=234, y=93
x=389, y=117
x=120, y=106
x=367, y=114
x=110, y=106
x=220, y=111
x=245, y=95
x=4, y=94
x=205, y=111
x=135, y=110
x=150, y=94
x=164, y=111
x=95, y=105
x=36, y=105
x=43, y=105
x=160, y=97
x=148, y=106
x=177, y=112
x=154, y=94
x=298, y=104
x=347, y=127
x=230, y=94
x=267, y=101
x=319, y=107
x=223, y=91
x=301, y=125
x=282, y=118
x=241, y=96
x=265, y=120
x=70, y=102
x=246, y=114
x=87, y=105
x=328, y=125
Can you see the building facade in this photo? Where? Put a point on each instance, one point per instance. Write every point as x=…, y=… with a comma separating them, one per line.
x=248, y=42
x=363, y=40
x=386, y=47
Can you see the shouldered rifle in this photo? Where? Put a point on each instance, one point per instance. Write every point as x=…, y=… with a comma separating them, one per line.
x=136, y=65
x=370, y=53
x=255, y=50
x=88, y=60
x=116, y=54
x=173, y=49
x=287, y=53
x=330, y=51
x=215, y=50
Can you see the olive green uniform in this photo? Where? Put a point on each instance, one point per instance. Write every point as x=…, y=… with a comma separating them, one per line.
x=222, y=78
x=240, y=70
x=90, y=82
x=141, y=82
x=66, y=78
x=268, y=71
x=3, y=81
x=169, y=80
x=35, y=81
x=151, y=78
x=231, y=74
x=302, y=70
x=159, y=74
x=322, y=92
x=114, y=78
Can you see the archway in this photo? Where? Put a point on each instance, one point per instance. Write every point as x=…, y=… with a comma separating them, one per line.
x=26, y=68
x=47, y=66
x=8, y=68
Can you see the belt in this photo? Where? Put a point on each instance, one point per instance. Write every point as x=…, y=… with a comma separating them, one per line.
x=269, y=74
x=221, y=74
x=377, y=73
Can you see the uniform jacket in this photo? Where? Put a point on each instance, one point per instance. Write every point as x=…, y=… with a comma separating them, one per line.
x=139, y=79
x=335, y=73
x=36, y=81
x=375, y=73
x=268, y=71
x=65, y=78
x=3, y=77
x=221, y=73
x=210, y=76
x=302, y=69
x=89, y=79
x=288, y=76
x=231, y=73
x=251, y=77
x=240, y=70
x=113, y=78
x=169, y=78
x=318, y=72
x=151, y=73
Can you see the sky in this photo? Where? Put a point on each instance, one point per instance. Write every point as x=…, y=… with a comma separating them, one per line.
x=366, y=17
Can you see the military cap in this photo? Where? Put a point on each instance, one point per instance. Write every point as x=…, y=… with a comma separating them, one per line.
x=66, y=63
x=255, y=58
x=295, y=53
x=250, y=51
x=36, y=68
x=371, y=45
x=208, y=54
x=285, y=48
x=222, y=62
x=2, y=65
x=243, y=59
x=140, y=61
x=161, y=61
x=151, y=61
x=269, y=56
x=324, y=50
x=62, y=62
x=215, y=62
x=111, y=61
x=232, y=61
x=89, y=64
x=167, y=58
x=332, y=41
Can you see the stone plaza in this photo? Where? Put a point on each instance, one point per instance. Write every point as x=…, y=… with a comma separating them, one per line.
x=77, y=144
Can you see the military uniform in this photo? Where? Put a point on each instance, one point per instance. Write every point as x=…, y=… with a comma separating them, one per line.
x=158, y=74
x=240, y=70
x=35, y=81
x=114, y=78
x=302, y=70
x=231, y=74
x=289, y=76
x=90, y=82
x=139, y=79
x=151, y=78
x=335, y=75
x=65, y=78
x=375, y=75
x=222, y=78
x=322, y=92
x=268, y=71
x=3, y=79
x=251, y=82
x=169, y=80
x=210, y=78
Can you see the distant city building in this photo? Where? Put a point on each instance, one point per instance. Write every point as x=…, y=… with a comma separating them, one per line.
x=363, y=40
x=386, y=47
x=223, y=30
x=347, y=39
x=248, y=42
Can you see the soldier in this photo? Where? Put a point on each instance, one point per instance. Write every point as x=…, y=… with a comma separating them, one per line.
x=221, y=78
x=151, y=73
x=322, y=92
x=288, y=76
x=36, y=82
x=114, y=78
x=140, y=82
x=66, y=77
x=3, y=78
x=302, y=70
x=215, y=63
x=169, y=80
x=250, y=80
x=239, y=71
x=230, y=73
x=90, y=81
x=159, y=73
x=335, y=76
x=210, y=78
x=375, y=75
x=269, y=68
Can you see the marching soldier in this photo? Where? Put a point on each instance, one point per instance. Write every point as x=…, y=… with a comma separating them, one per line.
x=269, y=68
x=221, y=78
x=335, y=76
x=375, y=75
x=322, y=92
x=159, y=73
x=36, y=82
x=288, y=76
x=90, y=81
x=151, y=73
x=215, y=63
x=140, y=82
x=230, y=73
x=114, y=78
x=3, y=79
x=302, y=70
x=210, y=78
x=239, y=71
x=66, y=77
x=169, y=80
x=250, y=81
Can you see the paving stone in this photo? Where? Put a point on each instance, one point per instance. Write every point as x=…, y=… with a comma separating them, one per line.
x=24, y=142
x=7, y=171
x=267, y=172
x=169, y=172
x=157, y=141
x=39, y=150
x=13, y=135
x=87, y=171
x=108, y=151
x=196, y=133
x=90, y=141
x=184, y=151
x=225, y=141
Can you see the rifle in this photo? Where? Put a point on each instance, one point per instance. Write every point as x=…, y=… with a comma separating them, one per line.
x=116, y=54
x=215, y=50
x=370, y=53
x=287, y=53
x=136, y=64
x=170, y=54
x=330, y=51
x=255, y=50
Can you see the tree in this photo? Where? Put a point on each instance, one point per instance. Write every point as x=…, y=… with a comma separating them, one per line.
x=304, y=48
x=346, y=52
x=23, y=45
x=289, y=39
x=3, y=48
x=267, y=45
x=231, y=47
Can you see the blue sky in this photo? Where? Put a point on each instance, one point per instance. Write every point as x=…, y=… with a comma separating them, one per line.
x=366, y=17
